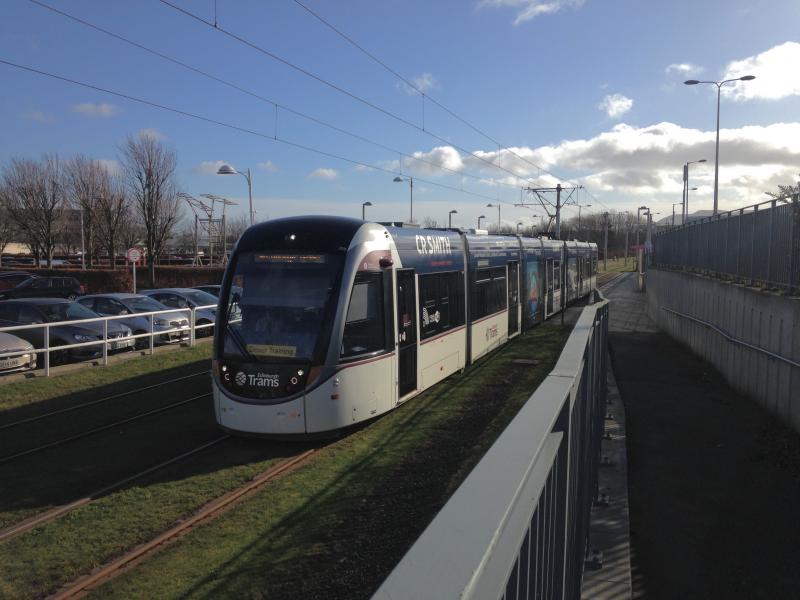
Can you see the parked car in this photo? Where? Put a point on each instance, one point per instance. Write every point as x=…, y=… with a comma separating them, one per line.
x=11, y=279
x=129, y=304
x=16, y=354
x=189, y=298
x=209, y=289
x=34, y=311
x=46, y=287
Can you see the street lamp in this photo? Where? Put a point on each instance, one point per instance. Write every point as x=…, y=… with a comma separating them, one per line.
x=579, y=216
x=364, y=206
x=719, y=85
x=497, y=206
x=639, y=223
x=686, y=185
x=450, y=218
x=479, y=220
x=400, y=179
x=229, y=170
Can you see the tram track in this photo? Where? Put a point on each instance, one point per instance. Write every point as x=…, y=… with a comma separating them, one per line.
x=17, y=455
x=57, y=512
x=97, y=401
x=209, y=511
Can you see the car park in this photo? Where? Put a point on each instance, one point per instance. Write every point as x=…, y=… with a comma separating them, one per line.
x=189, y=298
x=16, y=354
x=40, y=311
x=45, y=287
x=11, y=279
x=115, y=304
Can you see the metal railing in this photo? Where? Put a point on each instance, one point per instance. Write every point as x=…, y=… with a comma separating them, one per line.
x=758, y=245
x=112, y=343
x=518, y=525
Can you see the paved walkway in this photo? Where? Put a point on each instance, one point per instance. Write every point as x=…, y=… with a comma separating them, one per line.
x=714, y=481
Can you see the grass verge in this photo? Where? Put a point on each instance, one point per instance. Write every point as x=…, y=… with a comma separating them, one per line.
x=336, y=526
x=21, y=393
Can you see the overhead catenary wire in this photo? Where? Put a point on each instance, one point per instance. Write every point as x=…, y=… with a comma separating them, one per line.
x=275, y=104
x=238, y=128
x=341, y=90
x=423, y=94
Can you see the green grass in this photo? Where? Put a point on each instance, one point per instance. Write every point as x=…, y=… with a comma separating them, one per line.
x=336, y=526
x=617, y=266
x=28, y=391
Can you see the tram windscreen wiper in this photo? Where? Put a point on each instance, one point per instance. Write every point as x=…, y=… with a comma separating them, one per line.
x=237, y=338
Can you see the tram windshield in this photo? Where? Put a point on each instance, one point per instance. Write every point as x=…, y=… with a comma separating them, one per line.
x=278, y=304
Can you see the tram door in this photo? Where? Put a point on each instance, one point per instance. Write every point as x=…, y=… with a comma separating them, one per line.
x=513, y=298
x=549, y=276
x=406, y=332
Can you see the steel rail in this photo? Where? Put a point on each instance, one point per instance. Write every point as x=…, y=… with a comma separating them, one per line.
x=11, y=457
x=209, y=511
x=57, y=512
x=98, y=401
x=730, y=338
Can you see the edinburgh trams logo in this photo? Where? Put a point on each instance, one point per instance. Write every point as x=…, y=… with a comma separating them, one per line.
x=271, y=380
x=432, y=244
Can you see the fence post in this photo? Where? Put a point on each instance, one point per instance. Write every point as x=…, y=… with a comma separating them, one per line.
x=794, y=214
x=105, y=342
x=152, y=319
x=725, y=249
x=771, y=238
x=47, y=350
x=739, y=247
x=192, y=333
x=753, y=247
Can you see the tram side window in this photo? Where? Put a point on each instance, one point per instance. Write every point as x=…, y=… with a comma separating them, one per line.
x=441, y=302
x=364, y=327
x=489, y=292
x=557, y=274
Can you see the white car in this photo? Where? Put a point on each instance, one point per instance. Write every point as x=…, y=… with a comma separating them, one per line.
x=15, y=354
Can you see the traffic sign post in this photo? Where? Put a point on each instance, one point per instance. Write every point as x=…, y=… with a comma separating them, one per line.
x=134, y=255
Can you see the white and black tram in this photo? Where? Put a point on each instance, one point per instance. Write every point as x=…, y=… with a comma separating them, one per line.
x=328, y=321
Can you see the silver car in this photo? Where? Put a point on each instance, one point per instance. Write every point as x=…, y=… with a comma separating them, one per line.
x=130, y=304
x=16, y=354
x=189, y=298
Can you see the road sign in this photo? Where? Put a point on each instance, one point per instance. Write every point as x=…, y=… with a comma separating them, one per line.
x=134, y=255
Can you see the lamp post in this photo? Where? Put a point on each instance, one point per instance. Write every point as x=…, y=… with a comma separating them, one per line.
x=719, y=85
x=479, y=220
x=400, y=179
x=686, y=186
x=450, y=218
x=579, y=216
x=229, y=170
x=364, y=206
x=497, y=206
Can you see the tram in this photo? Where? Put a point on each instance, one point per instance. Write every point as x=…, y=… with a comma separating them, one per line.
x=326, y=321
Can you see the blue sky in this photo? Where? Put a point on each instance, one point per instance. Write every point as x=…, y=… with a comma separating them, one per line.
x=591, y=91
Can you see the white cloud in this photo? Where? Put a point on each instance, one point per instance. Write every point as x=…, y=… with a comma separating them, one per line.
x=685, y=69
x=323, y=173
x=423, y=83
x=777, y=75
x=90, y=109
x=530, y=9
x=39, y=116
x=151, y=133
x=267, y=165
x=615, y=105
x=112, y=166
x=210, y=167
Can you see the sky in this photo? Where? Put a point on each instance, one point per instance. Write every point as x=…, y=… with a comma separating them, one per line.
x=517, y=94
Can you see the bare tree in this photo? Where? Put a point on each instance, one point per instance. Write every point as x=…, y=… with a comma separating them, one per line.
x=88, y=181
x=429, y=223
x=149, y=175
x=236, y=227
x=112, y=217
x=8, y=230
x=35, y=198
